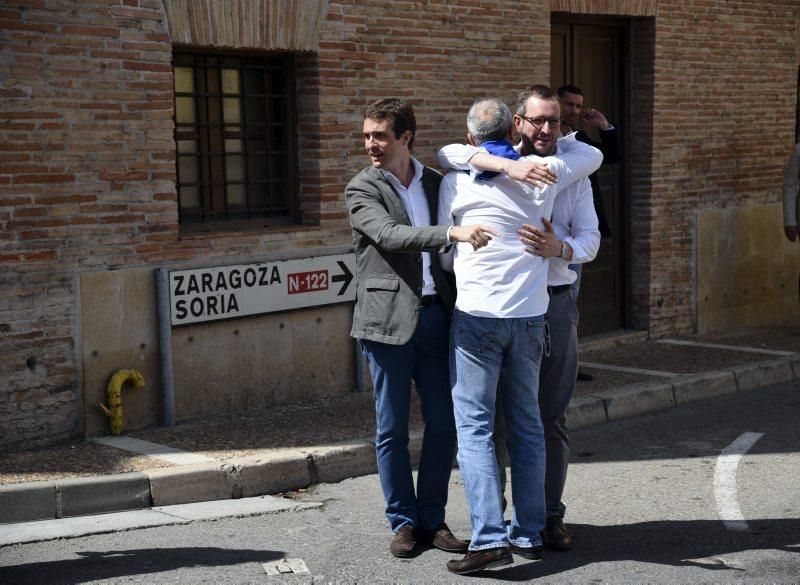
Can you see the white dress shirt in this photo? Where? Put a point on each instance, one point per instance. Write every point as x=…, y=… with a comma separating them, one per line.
x=574, y=218
x=500, y=279
x=574, y=222
x=416, y=204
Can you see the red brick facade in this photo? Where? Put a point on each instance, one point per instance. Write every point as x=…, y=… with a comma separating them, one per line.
x=87, y=155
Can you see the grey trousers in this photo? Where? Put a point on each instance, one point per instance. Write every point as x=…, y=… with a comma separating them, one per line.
x=556, y=387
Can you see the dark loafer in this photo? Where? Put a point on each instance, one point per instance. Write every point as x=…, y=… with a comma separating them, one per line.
x=402, y=542
x=477, y=560
x=555, y=535
x=532, y=553
x=443, y=539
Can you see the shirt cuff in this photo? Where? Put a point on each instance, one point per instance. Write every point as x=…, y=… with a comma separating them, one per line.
x=578, y=251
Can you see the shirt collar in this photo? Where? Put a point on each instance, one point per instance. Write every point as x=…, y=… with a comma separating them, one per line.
x=396, y=182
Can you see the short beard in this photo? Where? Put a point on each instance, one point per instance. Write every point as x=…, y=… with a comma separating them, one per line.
x=551, y=151
x=528, y=148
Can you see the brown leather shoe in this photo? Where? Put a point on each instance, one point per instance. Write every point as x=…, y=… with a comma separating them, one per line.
x=532, y=553
x=402, y=542
x=443, y=539
x=477, y=560
x=555, y=535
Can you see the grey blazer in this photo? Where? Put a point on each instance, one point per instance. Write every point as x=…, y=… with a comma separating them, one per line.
x=388, y=257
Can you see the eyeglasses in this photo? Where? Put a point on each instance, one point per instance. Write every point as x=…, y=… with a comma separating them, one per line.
x=539, y=122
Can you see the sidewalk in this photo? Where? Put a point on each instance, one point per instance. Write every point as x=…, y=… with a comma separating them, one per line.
x=282, y=448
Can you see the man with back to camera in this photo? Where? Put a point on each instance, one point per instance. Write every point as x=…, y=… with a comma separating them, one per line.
x=498, y=330
x=572, y=237
x=402, y=318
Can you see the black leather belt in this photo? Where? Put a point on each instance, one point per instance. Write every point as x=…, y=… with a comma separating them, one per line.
x=428, y=300
x=556, y=290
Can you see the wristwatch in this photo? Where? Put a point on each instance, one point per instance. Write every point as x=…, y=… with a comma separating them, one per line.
x=564, y=250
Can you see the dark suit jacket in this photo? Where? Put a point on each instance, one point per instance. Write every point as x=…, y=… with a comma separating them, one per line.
x=609, y=146
x=388, y=257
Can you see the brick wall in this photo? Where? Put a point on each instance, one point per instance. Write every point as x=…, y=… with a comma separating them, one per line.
x=640, y=216
x=87, y=170
x=724, y=83
x=87, y=151
x=87, y=154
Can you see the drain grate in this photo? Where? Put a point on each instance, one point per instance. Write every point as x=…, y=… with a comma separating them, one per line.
x=285, y=567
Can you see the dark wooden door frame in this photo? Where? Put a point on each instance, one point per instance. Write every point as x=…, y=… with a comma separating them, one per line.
x=623, y=121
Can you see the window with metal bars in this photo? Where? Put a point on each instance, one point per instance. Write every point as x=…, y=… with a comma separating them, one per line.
x=235, y=136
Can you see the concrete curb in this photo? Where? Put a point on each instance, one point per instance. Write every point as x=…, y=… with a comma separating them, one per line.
x=21, y=502
x=645, y=397
x=81, y=496
x=602, y=341
x=73, y=496
x=299, y=468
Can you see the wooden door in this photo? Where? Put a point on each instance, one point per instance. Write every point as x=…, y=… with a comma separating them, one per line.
x=590, y=53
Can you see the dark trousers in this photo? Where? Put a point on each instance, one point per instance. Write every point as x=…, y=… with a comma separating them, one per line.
x=423, y=359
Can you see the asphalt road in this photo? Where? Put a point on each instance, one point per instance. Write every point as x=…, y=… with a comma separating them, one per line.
x=709, y=492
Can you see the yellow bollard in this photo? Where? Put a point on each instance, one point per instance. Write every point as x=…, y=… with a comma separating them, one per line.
x=114, y=412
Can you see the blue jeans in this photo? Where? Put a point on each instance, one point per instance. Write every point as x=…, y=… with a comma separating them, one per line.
x=481, y=350
x=424, y=359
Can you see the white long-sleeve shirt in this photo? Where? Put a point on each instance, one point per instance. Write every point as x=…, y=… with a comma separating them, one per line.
x=574, y=218
x=500, y=279
x=416, y=204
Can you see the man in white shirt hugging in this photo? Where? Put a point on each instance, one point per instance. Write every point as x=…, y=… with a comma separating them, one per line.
x=497, y=329
x=572, y=238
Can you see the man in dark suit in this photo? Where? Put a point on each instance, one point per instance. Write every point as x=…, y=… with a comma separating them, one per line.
x=404, y=300
x=570, y=98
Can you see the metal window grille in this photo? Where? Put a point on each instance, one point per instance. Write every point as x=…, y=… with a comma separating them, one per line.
x=235, y=137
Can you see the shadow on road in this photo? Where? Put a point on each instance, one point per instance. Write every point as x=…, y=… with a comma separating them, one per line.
x=97, y=565
x=697, y=543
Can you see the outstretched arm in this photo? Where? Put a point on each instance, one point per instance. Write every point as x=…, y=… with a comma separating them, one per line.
x=465, y=157
x=575, y=161
x=369, y=215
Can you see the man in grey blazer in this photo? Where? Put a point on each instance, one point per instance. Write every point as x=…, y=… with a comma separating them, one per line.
x=402, y=316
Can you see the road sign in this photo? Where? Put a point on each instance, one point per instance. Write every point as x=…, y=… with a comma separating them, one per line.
x=226, y=292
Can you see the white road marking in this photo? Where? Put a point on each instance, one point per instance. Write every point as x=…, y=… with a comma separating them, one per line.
x=725, y=481
x=162, y=452
x=730, y=347
x=658, y=373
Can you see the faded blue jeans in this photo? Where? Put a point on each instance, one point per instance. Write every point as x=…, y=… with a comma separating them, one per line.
x=481, y=349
